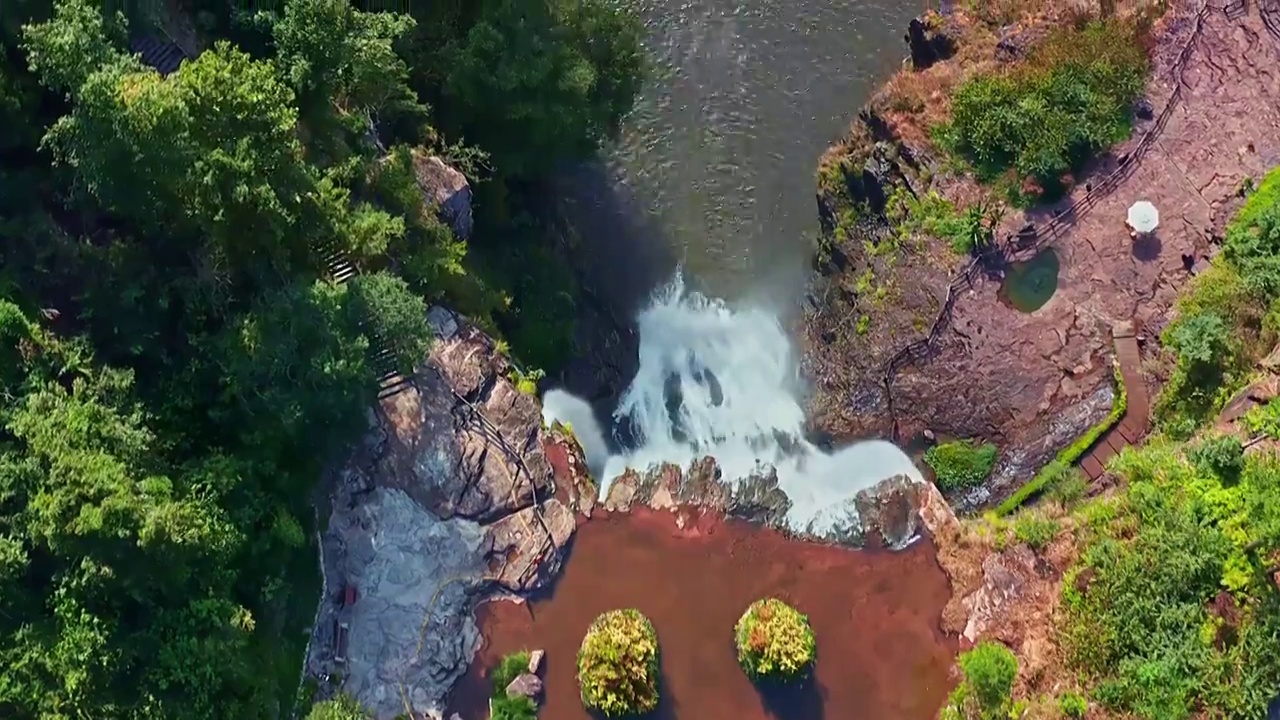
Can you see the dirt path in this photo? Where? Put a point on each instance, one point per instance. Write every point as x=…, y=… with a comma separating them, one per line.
x=1137, y=411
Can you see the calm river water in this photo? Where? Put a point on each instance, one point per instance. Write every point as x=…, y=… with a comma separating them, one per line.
x=716, y=164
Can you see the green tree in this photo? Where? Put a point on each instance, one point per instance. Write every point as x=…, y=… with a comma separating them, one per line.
x=535, y=83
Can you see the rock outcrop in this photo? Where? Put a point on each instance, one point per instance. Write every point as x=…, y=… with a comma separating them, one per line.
x=446, y=189
x=451, y=497
x=1028, y=382
x=892, y=513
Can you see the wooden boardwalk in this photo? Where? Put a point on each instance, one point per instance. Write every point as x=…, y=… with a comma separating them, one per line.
x=1136, y=421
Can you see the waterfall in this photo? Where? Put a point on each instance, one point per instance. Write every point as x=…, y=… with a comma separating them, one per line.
x=723, y=381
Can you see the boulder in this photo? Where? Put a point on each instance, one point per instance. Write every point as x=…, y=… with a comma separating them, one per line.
x=535, y=661
x=525, y=685
x=446, y=189
x=889, y=512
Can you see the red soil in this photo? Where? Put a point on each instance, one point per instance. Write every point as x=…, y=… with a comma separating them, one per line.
x=881, y=655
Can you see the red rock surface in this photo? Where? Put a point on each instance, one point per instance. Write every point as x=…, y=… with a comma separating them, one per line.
x=881, y=655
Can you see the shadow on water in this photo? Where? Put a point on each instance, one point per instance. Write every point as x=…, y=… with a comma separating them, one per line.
x=802, y=701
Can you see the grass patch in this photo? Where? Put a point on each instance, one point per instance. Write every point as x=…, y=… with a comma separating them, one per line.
x=933, y=215
x=1036, y=531
x=775, y=642
x=618, y=665
x=1036, y=124
x=1060, y=469
x=961, y=464
x=986, y=693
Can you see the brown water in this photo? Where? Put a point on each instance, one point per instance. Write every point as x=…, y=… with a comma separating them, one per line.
x=875, y=614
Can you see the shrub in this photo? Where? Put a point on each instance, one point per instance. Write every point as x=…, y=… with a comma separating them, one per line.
x=510, y=708
x=1219, y=455
x=1045, y=118
x=618, y=665
x=1073, y=705
x=986, y=691
x=961, y=464
x=775, y=642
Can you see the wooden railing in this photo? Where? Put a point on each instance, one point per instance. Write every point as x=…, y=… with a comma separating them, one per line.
x=1061, y=221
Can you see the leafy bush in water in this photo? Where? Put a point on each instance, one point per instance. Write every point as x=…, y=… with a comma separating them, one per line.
x=1139, y=610
x=961, y=463
x=343, y=707
x=775, y=642
x=1044, y=119
x=510, y=708
x=618, y=665
x=986, y=692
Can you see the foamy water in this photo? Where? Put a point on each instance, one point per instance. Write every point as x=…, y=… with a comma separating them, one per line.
x=722, y=381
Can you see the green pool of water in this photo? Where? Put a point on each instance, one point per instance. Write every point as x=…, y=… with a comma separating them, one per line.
x=1028, y=285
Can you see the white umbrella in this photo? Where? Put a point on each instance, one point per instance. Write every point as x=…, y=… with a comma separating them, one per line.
x=1143, y=217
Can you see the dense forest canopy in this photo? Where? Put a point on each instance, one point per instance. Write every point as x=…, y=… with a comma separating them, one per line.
x=176, y=367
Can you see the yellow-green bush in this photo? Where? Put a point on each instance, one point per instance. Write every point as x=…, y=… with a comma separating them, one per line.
x=618, y=665
x=775, y=642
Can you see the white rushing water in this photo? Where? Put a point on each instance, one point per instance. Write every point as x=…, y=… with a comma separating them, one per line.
x=723, y=381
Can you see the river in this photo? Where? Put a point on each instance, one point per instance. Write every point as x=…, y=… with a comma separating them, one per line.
x=716, y=164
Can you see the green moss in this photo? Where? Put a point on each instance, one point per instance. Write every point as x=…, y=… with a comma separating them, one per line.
x=1069, y=455
x=618, y=665
x=961, y=464
x=775, y=642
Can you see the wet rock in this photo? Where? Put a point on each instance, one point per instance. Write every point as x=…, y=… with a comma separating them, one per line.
x=892, y=513
x=889, y=512
x=447, y=190
x=535, y=661
x=929, y=42
x=525, y=685
x=569, y=465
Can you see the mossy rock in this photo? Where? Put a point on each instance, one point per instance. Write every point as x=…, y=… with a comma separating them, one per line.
x=618, y=665
x=775, y=642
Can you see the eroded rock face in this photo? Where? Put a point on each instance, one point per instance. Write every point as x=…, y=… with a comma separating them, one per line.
x=446, y=189
x=891, y=514
x=450, y=497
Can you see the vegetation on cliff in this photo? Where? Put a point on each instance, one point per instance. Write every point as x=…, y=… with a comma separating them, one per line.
x=775, y=643
x=1228, y=319
x=176, y=368
x=618, y=668
x=960, y=464
x=1037, y=123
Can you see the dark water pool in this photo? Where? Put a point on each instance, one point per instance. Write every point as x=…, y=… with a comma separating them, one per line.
x=1029, y=285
